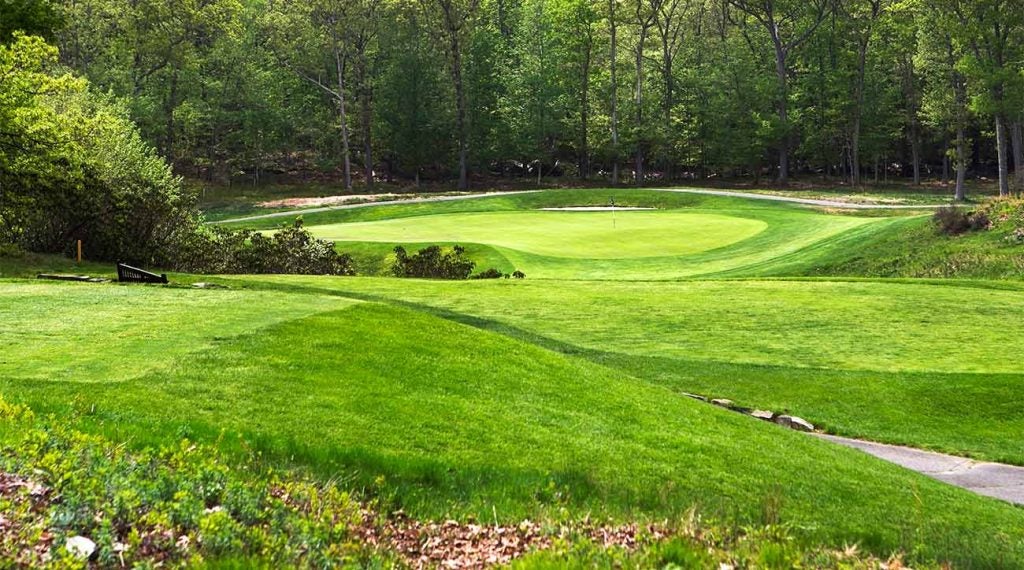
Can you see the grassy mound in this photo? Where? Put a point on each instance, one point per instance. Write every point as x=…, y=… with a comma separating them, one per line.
x=882, y=360
x=493, y=427
x=690, y=235
x=915, y=247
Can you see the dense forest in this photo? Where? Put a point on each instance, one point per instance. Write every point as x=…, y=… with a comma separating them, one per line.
x=624, y=91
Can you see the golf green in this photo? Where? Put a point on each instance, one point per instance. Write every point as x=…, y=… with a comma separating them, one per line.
x=581, y=235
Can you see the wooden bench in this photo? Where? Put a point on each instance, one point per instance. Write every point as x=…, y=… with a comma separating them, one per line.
x=129, y=274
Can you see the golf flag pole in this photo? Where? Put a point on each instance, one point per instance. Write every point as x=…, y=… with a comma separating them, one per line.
x=612, y=201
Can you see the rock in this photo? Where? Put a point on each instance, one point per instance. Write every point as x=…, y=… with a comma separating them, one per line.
x=793, y=422
x=763, y=415
x=724, y=403
x=695, y=396
x=80, y=547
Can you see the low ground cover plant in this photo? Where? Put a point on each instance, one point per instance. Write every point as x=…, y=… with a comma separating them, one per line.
x=68, y=497
x=73, y=500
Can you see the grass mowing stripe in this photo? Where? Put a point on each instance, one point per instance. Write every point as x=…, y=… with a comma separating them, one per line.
x=885, y=368
x=69, y=332
x=483, y=424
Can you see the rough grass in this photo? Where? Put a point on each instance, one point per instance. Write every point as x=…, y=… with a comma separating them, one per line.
x=485, y=425
x=914, y=248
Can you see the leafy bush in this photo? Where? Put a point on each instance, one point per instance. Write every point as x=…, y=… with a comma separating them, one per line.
x=491, y=273
x=73, y=166
x=518, y=274
x=954, y=221
x=289, y=250
x=432, y=262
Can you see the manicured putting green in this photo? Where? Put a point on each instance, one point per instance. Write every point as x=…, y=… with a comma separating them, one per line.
x=581, y=235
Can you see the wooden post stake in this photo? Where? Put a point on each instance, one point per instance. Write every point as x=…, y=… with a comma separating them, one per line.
x=79, y=251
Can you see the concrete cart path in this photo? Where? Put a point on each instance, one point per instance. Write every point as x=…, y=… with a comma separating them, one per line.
x=997, y=480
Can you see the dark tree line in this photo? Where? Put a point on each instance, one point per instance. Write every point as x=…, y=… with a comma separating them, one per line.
x=631, y=91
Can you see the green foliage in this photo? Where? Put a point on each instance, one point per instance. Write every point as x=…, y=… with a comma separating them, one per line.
x=30, y=17
x=433, y=262
x=73, y=166
x=289, y=250
x=178, y=505
x=232, y=90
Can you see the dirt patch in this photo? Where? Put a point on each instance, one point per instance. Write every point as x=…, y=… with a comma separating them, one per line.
x=328, y=200
x=451, y=544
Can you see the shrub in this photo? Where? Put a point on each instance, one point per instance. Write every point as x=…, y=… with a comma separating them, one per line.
x=432, y=262
x=491, y=273
x=291, y=249
x=954, y=221
x=518, y=274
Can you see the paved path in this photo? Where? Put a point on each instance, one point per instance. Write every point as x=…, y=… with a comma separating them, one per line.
x=807, y=201
x=997, y=480
x=726, y=193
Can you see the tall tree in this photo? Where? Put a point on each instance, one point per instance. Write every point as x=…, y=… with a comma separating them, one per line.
x=453, y=19
x=613, y=95
x=989, y=30
x=788, y=23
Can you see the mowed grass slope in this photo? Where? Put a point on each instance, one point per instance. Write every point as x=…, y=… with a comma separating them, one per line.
x=689, y=234
x=917, y=363
x=444, y=419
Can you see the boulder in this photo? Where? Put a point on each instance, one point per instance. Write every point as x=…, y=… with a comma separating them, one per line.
x=763, y=415
x=724, y=403
x=80, y=547
x=793, y=422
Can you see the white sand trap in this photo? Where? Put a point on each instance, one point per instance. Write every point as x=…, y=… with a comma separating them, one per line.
x=593, y=209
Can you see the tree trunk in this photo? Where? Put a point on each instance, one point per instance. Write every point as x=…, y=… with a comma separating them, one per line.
x=584, y=151
x=366, y=116
x=855, y=153
x=638, y=100
x=915, y=157
x=339, y=63
x=783, y=107
x=614, y=92
x=460, y=115
x=961, y=165
x=862, y=57
x=1001, y=152
x=1017, y=134
x=669, y=100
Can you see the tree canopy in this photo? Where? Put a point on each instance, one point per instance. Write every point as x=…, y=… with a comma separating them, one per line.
x=660, y=90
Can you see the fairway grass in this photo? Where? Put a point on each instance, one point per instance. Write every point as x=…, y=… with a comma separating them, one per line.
x=913, y=363
x=489, y=426
x=84, y=333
